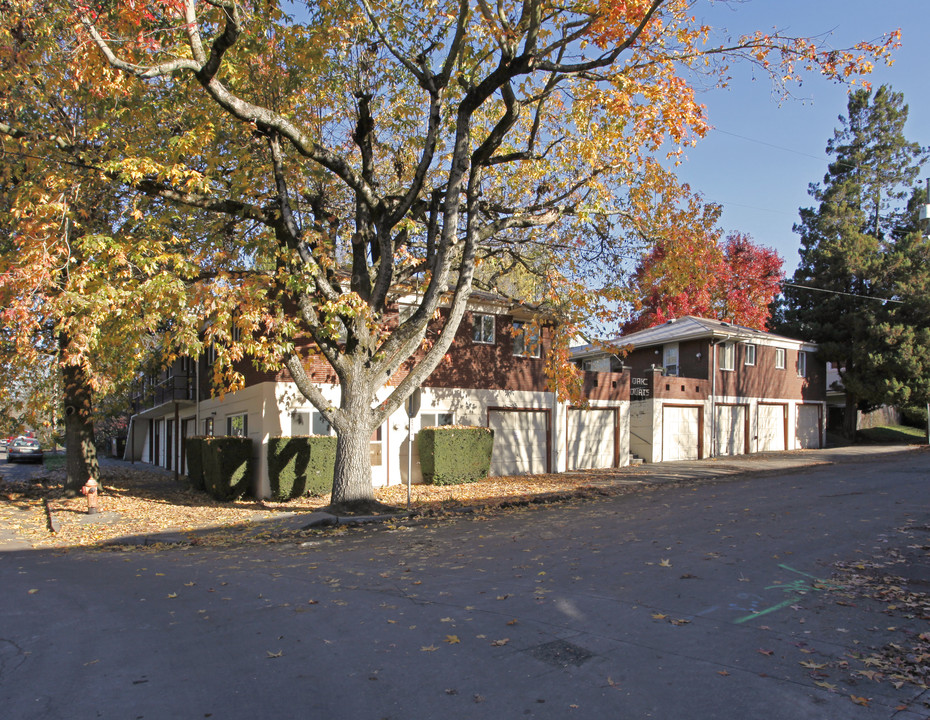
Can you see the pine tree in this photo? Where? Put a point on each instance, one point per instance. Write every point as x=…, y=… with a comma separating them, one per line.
x=853, y=251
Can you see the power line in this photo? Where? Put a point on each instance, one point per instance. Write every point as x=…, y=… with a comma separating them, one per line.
x=838, y=292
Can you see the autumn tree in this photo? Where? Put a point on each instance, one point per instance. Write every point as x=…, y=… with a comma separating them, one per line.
x=366, y=152
x=689, y=269
x=862, y=275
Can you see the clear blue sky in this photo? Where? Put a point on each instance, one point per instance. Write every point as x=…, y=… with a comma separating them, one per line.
x=761, y=155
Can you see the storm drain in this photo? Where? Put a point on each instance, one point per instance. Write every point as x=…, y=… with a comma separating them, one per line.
x=561, y=654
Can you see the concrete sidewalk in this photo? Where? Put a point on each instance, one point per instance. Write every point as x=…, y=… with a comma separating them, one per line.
x=665, y=473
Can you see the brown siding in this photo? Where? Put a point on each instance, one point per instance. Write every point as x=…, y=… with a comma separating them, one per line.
x=764, y=380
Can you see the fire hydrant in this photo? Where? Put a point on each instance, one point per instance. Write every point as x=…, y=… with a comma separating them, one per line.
x=90, y=491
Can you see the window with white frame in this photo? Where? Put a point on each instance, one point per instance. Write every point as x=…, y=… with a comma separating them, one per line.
x=749, y=354
x=309, y=422
x=237, y=425
x=802, y=364
x=780, y=358
x=435, y=419
x=525, y=339
x=483, y=329
x=670, y=359
x=208, y=426
x=726, y=355
x=375, y=448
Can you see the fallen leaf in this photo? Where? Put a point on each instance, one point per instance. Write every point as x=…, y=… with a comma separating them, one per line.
x=33, y=591
x=765, y=652
x=859, y=700
x=658, y=616
x=499, y=643
x=452, y=639
x=826, y=685
x=428, y=648
x=665, y=562
x=812, y=665
x=275, y=655
x=724, y=673
x=512, y=622
x=172, y=595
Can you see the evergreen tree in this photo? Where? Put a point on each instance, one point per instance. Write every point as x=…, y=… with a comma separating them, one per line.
x=855, y=245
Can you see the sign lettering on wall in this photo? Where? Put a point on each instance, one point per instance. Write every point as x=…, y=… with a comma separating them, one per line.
x=640, y=389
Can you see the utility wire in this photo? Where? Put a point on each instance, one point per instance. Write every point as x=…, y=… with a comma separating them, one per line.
x=838, y=292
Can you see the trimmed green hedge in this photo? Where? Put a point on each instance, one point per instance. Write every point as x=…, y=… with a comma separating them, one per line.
x=453, y=455
x=227, y=466
x=194, y=452
x=301, y=465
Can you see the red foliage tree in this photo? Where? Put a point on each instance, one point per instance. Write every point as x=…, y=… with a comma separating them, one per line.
x=694, y=273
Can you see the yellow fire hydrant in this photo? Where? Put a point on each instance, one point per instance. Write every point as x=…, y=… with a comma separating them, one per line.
x=90, y=491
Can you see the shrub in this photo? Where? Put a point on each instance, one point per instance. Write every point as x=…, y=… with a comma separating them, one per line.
x=453, y=455
x=301, y=465
x=227, y=466
x=194, y=451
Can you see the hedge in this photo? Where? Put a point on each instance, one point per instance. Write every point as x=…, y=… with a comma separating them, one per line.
x=453, y=455
x=227, y=466
x=194, y=452
x=300, y=466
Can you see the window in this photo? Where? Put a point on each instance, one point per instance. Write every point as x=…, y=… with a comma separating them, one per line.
x=483, y=329
x=525, y=339
x=780, y=358
x=374, y=448
x=727, y=356
x=670, y=359
x=208, y=426
x=307, y=422
x=435, y=419
x=237, y=425
x=211, y=354
x=802, y=364
x=236, y=333
x=749, y=356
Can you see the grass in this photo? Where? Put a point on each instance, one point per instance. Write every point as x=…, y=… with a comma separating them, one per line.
x=890, y=434
x=54, y=461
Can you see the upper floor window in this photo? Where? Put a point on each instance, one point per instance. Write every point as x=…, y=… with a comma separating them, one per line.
x=802, y=364
x=670, y=359
x=727, y=356
x=208, y=426
x=525, y=339
x=780, y=358
x=236, y=333
x=749, y=356
x=483, y=329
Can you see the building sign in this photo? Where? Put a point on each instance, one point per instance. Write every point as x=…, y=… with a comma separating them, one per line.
x=640, y=388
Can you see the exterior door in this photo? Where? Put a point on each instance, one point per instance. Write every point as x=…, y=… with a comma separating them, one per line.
x=592, y=435
x=730, y=427
x=771, y=427
x=681, y=432
x=521, y=441
x=808, y=426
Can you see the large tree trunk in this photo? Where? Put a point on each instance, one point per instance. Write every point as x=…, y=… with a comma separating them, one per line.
x=850, y=416
x=352, y=483
x=79, y=429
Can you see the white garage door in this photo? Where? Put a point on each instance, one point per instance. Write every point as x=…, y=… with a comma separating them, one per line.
x=591, y=434
x=680, y=426
x=730, y=427
x=808, y=426
x=520, y=442
x=771, y=424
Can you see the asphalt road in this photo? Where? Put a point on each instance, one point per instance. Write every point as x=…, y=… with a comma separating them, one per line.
x=711, y=601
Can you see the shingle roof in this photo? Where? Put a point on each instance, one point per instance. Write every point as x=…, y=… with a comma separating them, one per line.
x=689, y=327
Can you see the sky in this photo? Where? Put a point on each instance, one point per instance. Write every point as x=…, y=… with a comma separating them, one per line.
x=762, y=152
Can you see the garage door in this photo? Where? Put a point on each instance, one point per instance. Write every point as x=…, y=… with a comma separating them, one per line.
x=771, y=427
x=520, y=441
x=730, y=427
x=680, y=433
x=591, y=436
x=808, y=426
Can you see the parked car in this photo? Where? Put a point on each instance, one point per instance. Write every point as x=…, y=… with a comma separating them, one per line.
x=24, y=450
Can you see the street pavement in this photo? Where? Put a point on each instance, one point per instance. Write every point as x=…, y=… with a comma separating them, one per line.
x=714, y=597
